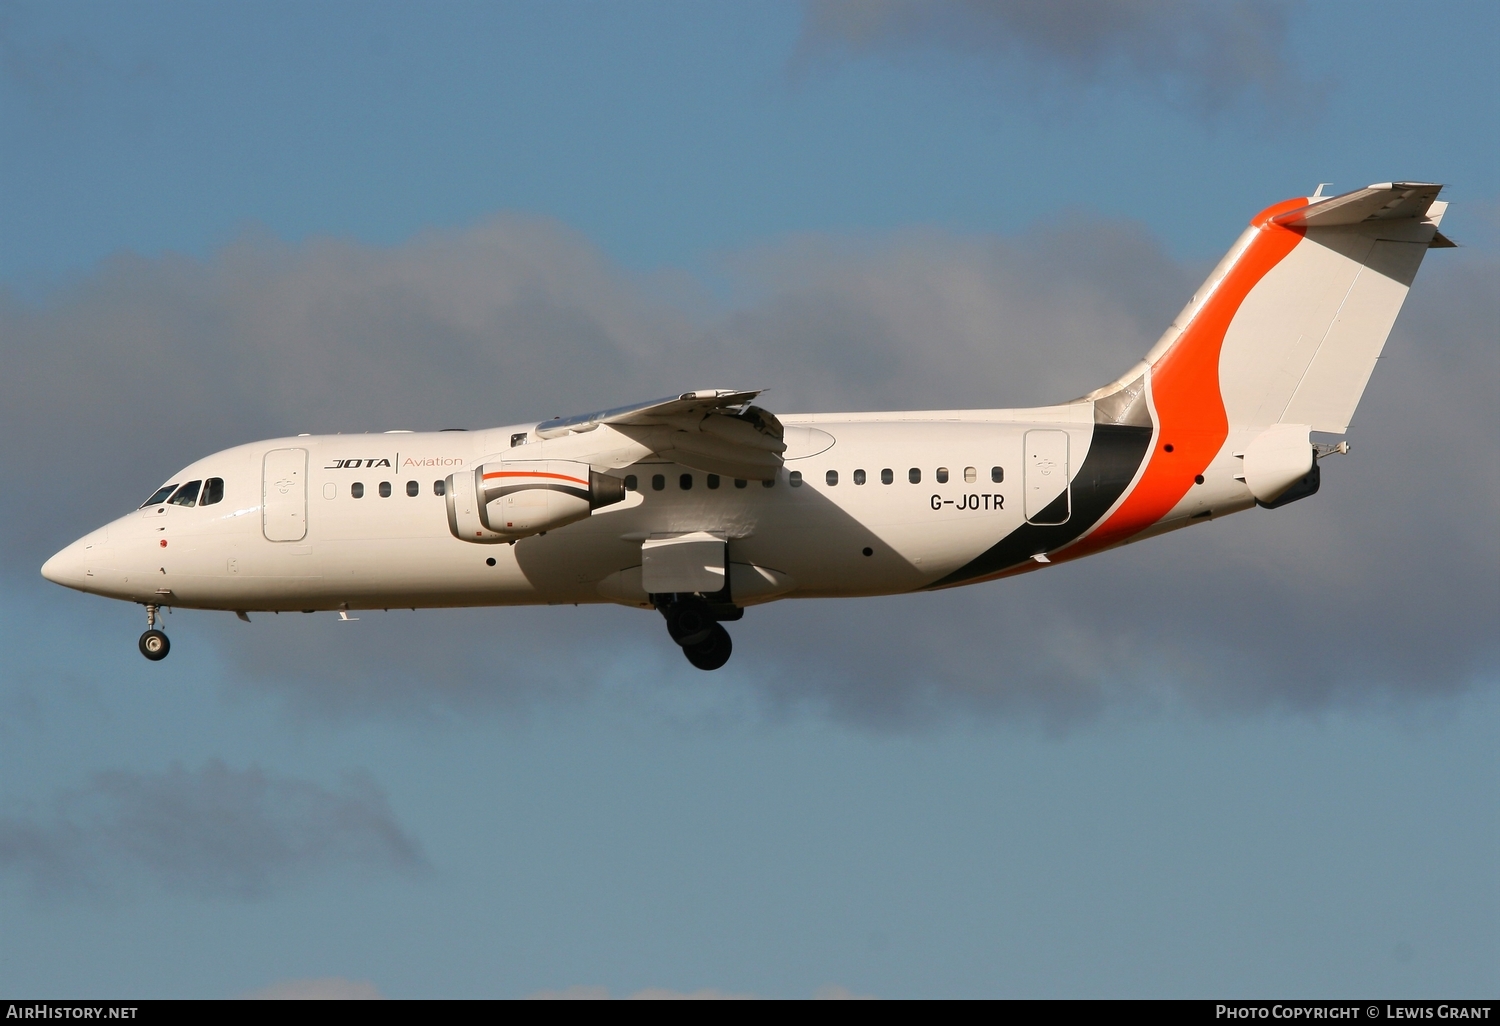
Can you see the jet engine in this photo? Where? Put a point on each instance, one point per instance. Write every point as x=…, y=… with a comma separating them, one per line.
x=511, y=499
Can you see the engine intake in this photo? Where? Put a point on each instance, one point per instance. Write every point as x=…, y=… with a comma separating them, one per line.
x=511, y=499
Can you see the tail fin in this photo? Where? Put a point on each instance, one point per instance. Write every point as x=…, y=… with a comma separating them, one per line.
x=1305, y=340
x=1284, y=334
x=1296, y=314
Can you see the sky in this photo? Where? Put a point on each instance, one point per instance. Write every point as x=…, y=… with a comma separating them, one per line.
x=1253, y=758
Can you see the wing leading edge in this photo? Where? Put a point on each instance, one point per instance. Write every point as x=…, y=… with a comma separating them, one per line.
x=657, y=411
x=711, y=429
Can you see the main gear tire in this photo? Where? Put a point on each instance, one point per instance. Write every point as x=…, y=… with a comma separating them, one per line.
x=689, y=623
x=713, y=651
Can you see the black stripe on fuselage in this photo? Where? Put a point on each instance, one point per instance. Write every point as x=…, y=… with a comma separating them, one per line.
x=1115, y=454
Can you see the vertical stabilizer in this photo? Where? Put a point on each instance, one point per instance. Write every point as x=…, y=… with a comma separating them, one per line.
x=1284, y=334
x=1305, y=340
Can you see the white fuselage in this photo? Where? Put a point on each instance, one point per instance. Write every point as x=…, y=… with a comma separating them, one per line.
x=393, y=547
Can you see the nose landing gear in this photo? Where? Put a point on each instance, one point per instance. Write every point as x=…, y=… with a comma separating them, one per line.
x=154, y=644
x=693, y=625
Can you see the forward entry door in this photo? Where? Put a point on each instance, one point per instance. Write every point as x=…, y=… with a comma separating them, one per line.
x=283, y=495
x=1048, y=497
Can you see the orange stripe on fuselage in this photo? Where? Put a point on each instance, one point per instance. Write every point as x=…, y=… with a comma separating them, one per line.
x=534, y=473
x=1185, y=391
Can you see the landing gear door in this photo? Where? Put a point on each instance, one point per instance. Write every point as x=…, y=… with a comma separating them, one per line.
x=283, y=505
x=684, y=563
x=1048, y=498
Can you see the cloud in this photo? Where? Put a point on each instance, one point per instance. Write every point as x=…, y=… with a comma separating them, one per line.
x=1206, y=56
x=1381, y=586
x=324, y=988
x=213, y=832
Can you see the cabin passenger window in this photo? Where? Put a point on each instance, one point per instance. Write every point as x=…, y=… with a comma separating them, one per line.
x=997, y=474
x=970, y=475
x=685, y=482
x=187, y=495
x=942, y=475
x=832, y=477
x=439, y=487
x=794, y=479
x=631, y=484
x=713, y=480
x=385, y=489
x=887, y=476
x=859, y=477
x=914, y=475
x=768, y=483
x=412, y=488
x=740, y=482
x=658, y=482
x=357, y=490
x=160, y=495
x=213, y=491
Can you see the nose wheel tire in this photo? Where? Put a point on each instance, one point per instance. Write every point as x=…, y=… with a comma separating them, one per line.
x=155, y=646
x=713, y=651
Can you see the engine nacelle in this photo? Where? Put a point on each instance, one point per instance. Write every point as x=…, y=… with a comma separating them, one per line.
x=511, y=499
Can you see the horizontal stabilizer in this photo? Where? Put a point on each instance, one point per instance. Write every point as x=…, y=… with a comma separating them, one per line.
x=1389, y=201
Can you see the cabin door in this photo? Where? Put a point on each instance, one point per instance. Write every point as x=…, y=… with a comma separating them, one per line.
x=283, y=495
x=1048, y=498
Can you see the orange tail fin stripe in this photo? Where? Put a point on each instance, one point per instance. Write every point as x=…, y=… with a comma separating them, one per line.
x=1191, y=421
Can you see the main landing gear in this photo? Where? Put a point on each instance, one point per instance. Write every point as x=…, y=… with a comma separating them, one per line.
x=692, y=623
x=154, y=644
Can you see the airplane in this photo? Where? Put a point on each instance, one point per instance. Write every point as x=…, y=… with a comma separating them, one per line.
x=702, y=504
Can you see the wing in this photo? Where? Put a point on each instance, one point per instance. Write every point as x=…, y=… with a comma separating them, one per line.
x=713, y=430
x=658, y=411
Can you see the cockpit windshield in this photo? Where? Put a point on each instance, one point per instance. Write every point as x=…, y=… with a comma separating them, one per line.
x=160, y=495
x=187, y=495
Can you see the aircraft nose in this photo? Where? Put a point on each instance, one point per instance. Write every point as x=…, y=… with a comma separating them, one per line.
x=57, y=569
x=67, y=567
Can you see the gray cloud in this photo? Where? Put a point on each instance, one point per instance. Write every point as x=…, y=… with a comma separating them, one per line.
x=211, y=832
x=1385, y=584
x=1206, y=56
